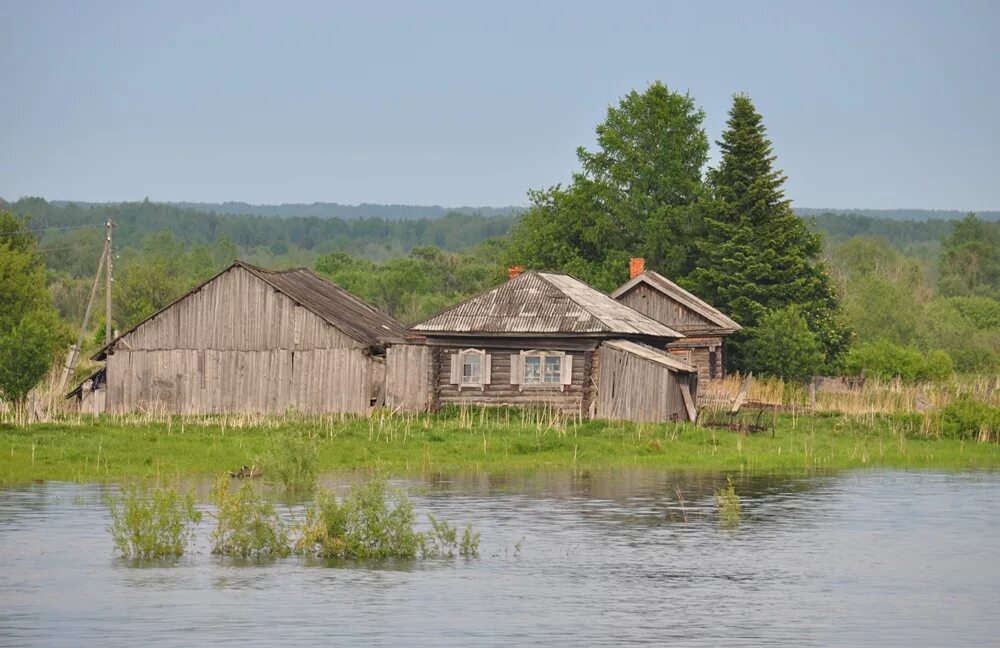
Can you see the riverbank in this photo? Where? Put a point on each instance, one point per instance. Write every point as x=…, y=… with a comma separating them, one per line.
x=116, y=448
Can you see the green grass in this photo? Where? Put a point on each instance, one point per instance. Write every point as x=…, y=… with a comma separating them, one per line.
x=83, y=449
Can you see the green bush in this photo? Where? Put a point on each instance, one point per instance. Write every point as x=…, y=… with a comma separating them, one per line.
x=247, y=525
x=293, y=461
x=154, y=523
x=782, y=345
x=376, y=522
x=885, y=360
x=970, y=419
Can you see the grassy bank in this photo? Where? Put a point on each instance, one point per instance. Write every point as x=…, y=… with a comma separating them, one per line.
x=85, y=449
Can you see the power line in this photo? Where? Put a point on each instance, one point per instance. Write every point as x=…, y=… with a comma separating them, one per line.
x=71, y=247
x=63, y=227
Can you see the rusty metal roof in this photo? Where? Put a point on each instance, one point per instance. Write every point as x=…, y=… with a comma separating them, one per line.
x=325, y=299
x=675, y=292
x=544, y=303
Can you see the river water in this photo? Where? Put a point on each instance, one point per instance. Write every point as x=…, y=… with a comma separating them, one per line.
x=606, y=557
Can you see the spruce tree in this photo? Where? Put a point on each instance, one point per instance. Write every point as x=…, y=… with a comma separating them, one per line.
x=757, y=256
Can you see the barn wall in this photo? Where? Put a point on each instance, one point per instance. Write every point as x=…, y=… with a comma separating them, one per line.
x=631, y=388
x=193, y=381
x=239, y=312
x=571, y=399
x=408, y=385
x=657, y=306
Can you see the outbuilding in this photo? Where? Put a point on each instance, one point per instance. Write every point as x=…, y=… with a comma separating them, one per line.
x=705, y=327
x=250, y=340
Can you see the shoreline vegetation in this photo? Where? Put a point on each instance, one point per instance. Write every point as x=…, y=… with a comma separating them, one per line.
x=481, y=439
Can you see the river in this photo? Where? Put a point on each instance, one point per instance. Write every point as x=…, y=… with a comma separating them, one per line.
x=606, y=557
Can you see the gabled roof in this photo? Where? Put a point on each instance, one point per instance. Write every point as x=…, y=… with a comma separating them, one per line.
x=658, y=282
x=325, y=299
x=647, y=352
x=544, y=303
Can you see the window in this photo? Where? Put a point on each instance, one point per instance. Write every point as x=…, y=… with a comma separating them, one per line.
x=470, y=368
x=542, y=368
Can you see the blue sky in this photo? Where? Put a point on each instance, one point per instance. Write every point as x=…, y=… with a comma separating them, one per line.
x=877, y=105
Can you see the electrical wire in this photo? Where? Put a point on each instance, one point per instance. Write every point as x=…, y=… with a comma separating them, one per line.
x=64, y=227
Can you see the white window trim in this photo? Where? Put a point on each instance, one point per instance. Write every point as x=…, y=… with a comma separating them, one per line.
x=484, y=369
x=565, y=369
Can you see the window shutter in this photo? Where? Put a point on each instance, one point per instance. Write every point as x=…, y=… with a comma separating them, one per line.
x=456, y=368
x=516, y=369
x=487, y=369
x=566, y=370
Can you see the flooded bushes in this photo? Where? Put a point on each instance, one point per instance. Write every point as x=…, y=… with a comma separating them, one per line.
x=247, y=525
x=154, y=523
x=375, y=522
x=372, y=522
x=729, y=504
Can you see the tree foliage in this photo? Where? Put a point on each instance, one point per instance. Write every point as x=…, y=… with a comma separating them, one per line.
x=782, y=345
x=757, y=256
x=635, y=195
x=30, y=331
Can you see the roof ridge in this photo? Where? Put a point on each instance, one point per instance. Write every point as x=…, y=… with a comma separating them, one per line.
x=594, y=314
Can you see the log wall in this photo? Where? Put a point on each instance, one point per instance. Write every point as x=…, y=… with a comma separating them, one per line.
x=570, y=399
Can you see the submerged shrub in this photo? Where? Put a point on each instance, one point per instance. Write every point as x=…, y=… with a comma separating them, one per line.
x=729, y=504
x=293, y=461
x=247, y=525
x=153, y=523
x=375, y=522
x=970, y=419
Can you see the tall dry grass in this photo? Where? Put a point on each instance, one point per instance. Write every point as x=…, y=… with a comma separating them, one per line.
x=873, y=397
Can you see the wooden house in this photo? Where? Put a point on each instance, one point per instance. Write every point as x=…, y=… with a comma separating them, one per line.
x=251, y=340
x=705, y=328
x=548, y=339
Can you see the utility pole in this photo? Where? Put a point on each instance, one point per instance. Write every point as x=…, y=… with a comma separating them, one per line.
x=108, y=329
x=74, y=351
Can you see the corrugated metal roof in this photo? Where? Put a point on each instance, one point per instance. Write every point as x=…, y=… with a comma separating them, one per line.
x=649, y=353
x=544, y=303
x=342, y=309
x=672, y=290
x=325, y=299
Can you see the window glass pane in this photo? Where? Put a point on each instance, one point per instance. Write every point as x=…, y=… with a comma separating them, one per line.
x=472, y=369
x=552, y=364
x=532, y=369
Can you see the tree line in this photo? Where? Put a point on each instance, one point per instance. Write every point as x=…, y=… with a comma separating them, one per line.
x=830, y=293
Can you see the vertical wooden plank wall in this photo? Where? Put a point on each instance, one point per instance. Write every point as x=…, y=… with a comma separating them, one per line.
x=408, y=378
x=238, y=346
x=631, y=388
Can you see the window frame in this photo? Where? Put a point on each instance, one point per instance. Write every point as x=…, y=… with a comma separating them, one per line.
x=484, y=369
x=560, y=382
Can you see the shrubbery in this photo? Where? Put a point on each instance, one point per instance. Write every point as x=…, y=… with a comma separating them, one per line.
x=885, y=360
x=970, y=419
x=247, y=525
x=152, y=523
x=375, y=522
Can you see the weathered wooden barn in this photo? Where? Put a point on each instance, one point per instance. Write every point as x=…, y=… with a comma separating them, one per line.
x=252, y=340
x=549, y=339
x=705, y=328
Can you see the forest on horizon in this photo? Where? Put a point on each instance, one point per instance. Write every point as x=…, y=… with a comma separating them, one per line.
x=911, y=297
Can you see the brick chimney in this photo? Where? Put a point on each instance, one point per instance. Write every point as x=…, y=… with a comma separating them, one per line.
x=636, y=266
x=514, y=271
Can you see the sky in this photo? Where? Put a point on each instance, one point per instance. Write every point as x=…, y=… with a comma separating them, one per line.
x=869, y=104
